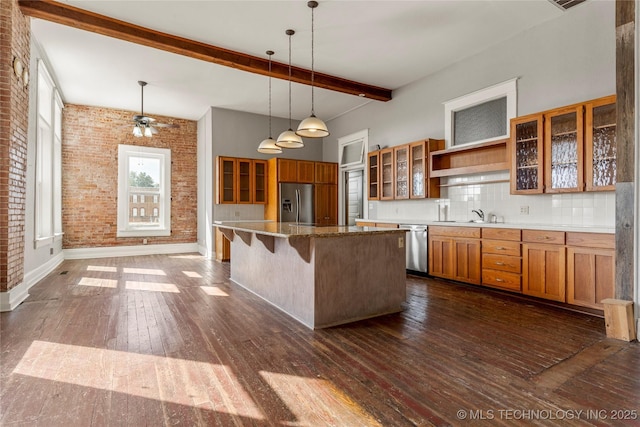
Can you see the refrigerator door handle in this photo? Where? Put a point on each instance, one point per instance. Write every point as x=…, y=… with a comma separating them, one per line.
x=297, y=205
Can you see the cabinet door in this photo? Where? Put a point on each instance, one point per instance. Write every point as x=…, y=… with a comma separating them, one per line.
x=401, y=172
x=441, y=256
x=417, y=171
x=259, y=184
x=386, y=174
x=527, y=154
x=306, y=172
x=600, y=144
x=287, y=170
x=227, y=180
x=591, y=276
x=543, y=271
x=223, y=247
x=326, y=173
x=467, y=263
x=564, y=150
x=374, y=175
x=326, y=201
x=244, y=182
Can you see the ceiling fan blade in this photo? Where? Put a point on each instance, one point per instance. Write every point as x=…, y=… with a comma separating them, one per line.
x=153, y=130
x=166, y=125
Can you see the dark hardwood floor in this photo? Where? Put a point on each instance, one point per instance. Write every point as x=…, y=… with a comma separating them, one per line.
x=168, y=340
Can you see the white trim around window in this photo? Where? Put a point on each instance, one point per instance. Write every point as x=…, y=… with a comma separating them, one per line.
x=161, y=157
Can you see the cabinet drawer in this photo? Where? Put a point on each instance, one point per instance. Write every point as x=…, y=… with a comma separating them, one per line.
x=471, y=232
x=502, y=263
x=592, y=240
x=501, y=247
x=512, y=234
x=543, y=236
x=501, y=279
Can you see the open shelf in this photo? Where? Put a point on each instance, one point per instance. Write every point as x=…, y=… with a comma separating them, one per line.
x=486, y=157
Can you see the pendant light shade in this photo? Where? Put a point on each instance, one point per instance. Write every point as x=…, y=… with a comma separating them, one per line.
x=137, y=132
x=288, y=138
x=268, y=146
x=312, y=127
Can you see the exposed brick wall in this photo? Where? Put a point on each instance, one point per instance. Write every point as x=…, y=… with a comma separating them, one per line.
x=14, y=116
x=90, y=138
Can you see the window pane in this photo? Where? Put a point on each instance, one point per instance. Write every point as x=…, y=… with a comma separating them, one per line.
x=144, y=180
x=483, y=121
x=352, y=153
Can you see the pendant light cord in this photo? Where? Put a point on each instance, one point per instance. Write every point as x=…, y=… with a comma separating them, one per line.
x=312, y=65
x=290, y=33
x=270, y=53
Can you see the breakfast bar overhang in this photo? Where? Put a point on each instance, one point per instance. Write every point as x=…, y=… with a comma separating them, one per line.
x=321, y=276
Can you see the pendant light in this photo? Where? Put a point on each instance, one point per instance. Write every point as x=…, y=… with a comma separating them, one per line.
x=312, y=127
x=268, y=146
x=288, y=138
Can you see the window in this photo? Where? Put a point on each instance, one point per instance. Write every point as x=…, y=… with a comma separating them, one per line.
x=142, y=198
x=155, y=212
x=134, y=198
x=155, y=199
x=48, y=192
x=147, y=172
x=481, y=116
x=134, y=212
x=352, y=153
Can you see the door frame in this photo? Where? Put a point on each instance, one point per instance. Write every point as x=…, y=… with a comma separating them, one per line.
x=360, y=135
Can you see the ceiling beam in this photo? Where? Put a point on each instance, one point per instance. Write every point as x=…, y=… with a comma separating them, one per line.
x=79, y=18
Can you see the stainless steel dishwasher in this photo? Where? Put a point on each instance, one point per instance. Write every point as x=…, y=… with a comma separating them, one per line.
x=417, y=247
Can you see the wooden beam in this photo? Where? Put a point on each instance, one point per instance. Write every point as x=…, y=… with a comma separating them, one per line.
x=79, y=18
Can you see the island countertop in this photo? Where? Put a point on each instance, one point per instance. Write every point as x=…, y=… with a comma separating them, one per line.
x=292, y=229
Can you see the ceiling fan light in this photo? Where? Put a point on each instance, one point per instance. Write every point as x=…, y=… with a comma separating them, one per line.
x=268, y=146
x=147, y=132
x=312, y=127
x=289, y=139
x=137, y=132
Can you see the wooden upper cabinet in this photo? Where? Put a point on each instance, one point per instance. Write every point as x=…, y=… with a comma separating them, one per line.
x=287, y=170
x=326, y=173
x=527, y=149
x=227, y=180
x=401, y=171
x=417, y=170
x=386, y=174
x=306, y=171
x=373, y=162
x=564, y=147
x=600, y=144
x=244, y=181
x=259, y=176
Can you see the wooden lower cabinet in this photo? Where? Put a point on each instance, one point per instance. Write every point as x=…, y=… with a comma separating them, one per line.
x=326, y=204
x=501, y=259
x=454, y=253
x=543, y=271
x=223, y=247
x=590, y=269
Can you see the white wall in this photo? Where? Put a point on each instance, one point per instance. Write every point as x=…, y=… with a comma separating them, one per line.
x=564, y=61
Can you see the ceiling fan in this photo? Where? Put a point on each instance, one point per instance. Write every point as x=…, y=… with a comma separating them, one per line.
x=145, y=125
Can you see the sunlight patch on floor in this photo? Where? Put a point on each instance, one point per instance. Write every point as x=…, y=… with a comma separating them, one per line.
x=180, y=381
x=151, y=271
x=333, y=408
x=98, y=283
x=151, y=286
x=102, y=268
x=192, y=274
x=214, y=291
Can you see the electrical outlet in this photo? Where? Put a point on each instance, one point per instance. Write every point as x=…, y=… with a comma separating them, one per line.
x=400, y=242
x=144, y=241
x=524, y=210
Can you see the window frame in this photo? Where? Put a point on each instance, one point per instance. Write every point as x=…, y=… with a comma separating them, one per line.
x=163, y=226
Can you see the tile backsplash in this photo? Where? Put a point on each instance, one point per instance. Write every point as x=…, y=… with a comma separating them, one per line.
x=465, y=193
x=244, y=212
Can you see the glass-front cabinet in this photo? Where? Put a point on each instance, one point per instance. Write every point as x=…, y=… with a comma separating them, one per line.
x=227, y=180
x=374, y=175
x=386, y=174
x=244, y=184
x=259, y=181
x=600, y=144
x=401, y=168
x=564, y=147
x=527, y=154
x=417, y=189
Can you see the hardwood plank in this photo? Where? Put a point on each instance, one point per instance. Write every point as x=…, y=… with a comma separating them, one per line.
x=116, y=356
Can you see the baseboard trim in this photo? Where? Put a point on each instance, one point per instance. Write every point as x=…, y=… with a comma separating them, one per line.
x=11, y=299
x=118, y=251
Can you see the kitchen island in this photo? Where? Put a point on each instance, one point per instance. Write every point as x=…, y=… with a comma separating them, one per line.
x=321, y=276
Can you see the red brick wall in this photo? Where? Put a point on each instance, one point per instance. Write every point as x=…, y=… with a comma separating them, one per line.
x=90, y=138
x=14, y=116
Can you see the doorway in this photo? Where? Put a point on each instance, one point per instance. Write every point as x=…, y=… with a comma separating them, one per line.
x=353, y=206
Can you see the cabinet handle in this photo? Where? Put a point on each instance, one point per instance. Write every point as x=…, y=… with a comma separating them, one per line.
x=500, y=248
x=544, y=238
x=499, y=280
x=499, y=263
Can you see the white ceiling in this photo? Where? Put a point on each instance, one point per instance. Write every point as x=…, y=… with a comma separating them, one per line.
x=383, y=43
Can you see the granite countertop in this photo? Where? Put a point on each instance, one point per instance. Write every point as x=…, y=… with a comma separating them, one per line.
x=524, y=226
x=292, y=229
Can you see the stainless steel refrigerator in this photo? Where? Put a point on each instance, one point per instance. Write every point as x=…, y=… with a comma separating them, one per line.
x=296, y=203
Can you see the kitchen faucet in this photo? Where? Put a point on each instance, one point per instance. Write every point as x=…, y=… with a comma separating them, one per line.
x=479, y=213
